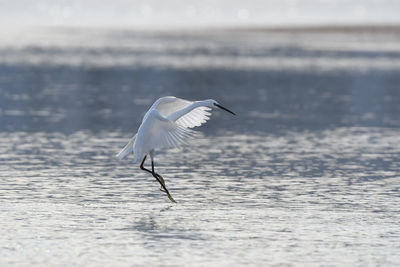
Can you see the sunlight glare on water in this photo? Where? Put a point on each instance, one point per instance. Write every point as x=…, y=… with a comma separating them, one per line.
x=247, y=200
x=306, y=174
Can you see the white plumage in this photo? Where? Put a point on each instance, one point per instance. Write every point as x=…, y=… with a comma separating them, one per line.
x=161, y=132
x=167, y=124
x=170, y=104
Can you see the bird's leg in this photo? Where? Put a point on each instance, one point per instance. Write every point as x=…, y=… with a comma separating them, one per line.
x=157, y=176
x=161, y=181
x=142, y=167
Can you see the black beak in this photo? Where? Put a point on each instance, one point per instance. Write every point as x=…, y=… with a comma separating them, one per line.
x=221, y=107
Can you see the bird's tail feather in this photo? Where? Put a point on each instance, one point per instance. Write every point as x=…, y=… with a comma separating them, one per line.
x=127, y=149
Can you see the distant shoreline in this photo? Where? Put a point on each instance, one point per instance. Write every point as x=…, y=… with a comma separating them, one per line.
x=394, y=28
x=324, y=28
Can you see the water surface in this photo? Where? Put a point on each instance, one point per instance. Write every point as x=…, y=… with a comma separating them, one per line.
x=307, y=173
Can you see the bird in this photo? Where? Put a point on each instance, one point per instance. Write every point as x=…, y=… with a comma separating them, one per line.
x=167, y=124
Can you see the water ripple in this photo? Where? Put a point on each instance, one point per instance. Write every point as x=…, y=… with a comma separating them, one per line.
x=322, y=197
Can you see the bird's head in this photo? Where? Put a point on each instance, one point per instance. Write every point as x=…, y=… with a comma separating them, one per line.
x=212, y=103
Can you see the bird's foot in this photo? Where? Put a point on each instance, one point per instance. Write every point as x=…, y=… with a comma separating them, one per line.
x=161, y=179
x=164, y=188
x=170, y=198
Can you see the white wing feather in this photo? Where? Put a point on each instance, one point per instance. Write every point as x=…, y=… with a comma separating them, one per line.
x=159, y=132
x=128, y=148
x=169, y=104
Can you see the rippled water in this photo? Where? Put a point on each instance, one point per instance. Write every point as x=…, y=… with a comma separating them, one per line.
x=242, y=199
x=306, y=174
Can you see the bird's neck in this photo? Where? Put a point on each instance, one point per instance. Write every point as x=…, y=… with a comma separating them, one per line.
x=179, y=113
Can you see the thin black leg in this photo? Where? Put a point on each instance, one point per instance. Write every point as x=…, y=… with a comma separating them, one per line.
x=147, y=170
x=162, y=183
x=142, y=167
x=157, y=176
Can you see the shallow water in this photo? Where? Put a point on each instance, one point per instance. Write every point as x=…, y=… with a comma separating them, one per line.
x=306, y=174
x=299, y=198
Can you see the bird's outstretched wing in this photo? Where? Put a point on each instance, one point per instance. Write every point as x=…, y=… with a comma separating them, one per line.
x=127, y=149
x=159, y=132
x=169, y=104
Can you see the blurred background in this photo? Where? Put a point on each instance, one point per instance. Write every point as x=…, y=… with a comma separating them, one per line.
x=305, y=174
x=72, y=65
x=189, y=14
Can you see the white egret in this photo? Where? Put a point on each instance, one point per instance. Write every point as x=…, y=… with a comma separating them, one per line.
x=165, y=125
